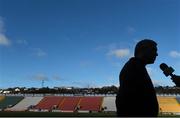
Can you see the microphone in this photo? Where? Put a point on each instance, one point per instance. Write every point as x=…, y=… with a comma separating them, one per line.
x=166, y=69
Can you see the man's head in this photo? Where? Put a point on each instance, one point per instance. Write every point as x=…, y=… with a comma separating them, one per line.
x=146, y=50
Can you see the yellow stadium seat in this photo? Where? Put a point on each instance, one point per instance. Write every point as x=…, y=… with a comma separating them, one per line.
x=168, y=104
x=1, y=98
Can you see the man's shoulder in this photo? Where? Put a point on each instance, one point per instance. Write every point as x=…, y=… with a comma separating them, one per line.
x=135, y=62
x=133, y=65
x=132, y=62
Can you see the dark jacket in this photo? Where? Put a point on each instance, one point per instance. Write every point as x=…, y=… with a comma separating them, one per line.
x=136, y=95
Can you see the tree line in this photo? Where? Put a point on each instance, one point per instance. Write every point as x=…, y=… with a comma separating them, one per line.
x=74, y=90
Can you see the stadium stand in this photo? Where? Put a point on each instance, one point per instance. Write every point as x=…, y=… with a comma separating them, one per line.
x=25, y=104
x=69, y=104
x=109, y=104
x=10, y=101
x=49, y=103
x=169, y=105
x=1, y=98
x=178, y=99
x=90, y=104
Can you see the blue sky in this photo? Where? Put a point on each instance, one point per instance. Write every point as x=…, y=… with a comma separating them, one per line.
x=83, y=43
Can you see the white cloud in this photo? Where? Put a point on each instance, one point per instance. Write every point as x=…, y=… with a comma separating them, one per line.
x=152, y=74
x=174, y=54
x=111, y=46
x=120, y=53
x=156, y=82
x=23, y=42
x=4, y=40
x=40, y=77
x=85, y=84
x=56, y=77
x=39, y=52
x=150, y=71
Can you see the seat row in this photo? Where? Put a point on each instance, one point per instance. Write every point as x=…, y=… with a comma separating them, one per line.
x=76, y=103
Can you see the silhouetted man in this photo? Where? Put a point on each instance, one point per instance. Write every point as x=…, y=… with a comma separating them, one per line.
x=136, y=96
x=176, y=80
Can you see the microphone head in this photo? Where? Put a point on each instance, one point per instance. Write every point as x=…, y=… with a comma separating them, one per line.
x=166, y=70
x=163, y=66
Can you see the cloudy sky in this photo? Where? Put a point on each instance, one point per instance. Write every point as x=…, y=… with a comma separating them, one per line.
x=83, y=42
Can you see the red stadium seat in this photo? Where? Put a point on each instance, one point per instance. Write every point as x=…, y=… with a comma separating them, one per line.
x=91, y=103
x=69, y=104
x=47, y=103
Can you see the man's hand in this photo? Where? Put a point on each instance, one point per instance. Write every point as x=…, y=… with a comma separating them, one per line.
x=176, y=80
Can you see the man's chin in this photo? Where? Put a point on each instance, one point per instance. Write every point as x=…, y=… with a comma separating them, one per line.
x=151, y=62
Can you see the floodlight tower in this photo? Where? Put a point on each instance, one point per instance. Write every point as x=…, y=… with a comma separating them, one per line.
x=42, y=83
